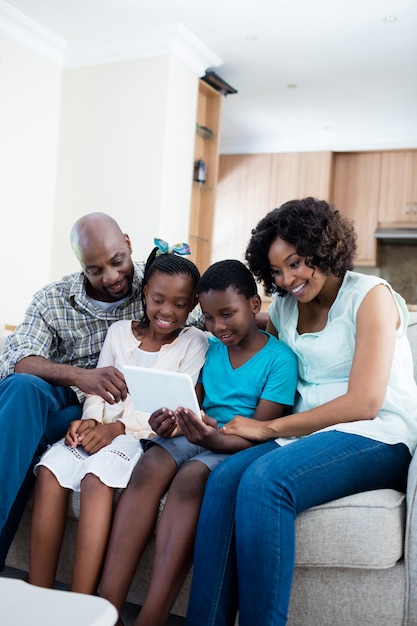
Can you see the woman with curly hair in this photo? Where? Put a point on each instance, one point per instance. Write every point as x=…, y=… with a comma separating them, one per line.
x=353, y=428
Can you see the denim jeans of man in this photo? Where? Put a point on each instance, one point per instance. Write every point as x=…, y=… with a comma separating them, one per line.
x=33, y=414
x=245, y=547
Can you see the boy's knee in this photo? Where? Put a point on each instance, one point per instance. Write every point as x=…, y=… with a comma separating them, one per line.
x=155, y=461
x=191, y=479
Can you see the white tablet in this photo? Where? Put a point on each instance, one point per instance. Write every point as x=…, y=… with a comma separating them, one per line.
x=152, y=389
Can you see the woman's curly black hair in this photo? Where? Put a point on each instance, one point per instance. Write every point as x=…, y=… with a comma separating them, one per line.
x=320, y=234
x=168, y=263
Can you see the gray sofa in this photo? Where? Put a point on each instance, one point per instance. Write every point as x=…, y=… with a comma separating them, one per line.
x=356, y=557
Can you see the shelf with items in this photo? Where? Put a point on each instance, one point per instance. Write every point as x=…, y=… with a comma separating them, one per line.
x=202, y=187
x=203, y=195
x=204, y=132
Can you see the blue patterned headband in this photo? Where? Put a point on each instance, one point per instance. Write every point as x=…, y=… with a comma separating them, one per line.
x=177, y=248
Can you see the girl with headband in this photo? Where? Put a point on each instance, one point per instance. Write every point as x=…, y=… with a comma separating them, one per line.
x=100, y=450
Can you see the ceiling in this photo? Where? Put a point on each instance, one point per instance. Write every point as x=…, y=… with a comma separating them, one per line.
x=310, y=74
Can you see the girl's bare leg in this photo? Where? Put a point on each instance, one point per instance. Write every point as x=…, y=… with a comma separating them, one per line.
x=174, y=543
x=96, y=511
x=47, y=528
x=134, y=521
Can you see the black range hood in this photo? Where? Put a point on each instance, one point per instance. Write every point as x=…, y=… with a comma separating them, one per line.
x=388, y=234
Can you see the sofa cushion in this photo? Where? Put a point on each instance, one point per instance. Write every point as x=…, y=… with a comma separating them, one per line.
x=365, y=530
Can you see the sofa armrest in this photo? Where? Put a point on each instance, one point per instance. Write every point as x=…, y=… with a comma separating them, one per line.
x=410, y=545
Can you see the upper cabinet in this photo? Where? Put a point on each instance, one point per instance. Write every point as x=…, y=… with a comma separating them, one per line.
x=398, y=192
x=297, y=175
x=369, y=187
x=242, y=199
x=250, y=185
x=356, y=190
x=206, y=161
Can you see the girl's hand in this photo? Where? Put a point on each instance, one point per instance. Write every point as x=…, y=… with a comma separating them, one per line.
x=71, y=437
x=164, y=423
x=254, y=430
x=93, y=439
x=76, y=429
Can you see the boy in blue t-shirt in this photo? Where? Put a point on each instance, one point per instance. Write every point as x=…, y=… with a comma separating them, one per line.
x=247, y=372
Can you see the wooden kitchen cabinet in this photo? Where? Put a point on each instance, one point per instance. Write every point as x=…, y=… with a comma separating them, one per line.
x=356, y=193
x=250, y=185
x=242, y=200
x=203, y=197
x=398, y=190
x=372, y=188
x=298, y=175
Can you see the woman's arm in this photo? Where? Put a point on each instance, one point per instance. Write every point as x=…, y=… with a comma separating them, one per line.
x=376, y=323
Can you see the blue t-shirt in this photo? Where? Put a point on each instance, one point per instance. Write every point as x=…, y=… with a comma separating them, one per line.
x=270, y=374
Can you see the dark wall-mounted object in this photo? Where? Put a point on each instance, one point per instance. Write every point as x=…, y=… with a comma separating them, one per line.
x=212, y=79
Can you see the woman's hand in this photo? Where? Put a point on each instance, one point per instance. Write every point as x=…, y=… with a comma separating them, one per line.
x=254, y=430
x=164, y=423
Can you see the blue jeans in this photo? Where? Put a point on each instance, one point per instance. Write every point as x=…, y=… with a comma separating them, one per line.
x=33, y=414
x=245, y=545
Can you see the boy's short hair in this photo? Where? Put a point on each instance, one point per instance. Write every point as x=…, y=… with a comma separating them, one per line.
x=229, y=273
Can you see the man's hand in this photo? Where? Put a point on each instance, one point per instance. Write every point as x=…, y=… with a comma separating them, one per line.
x=106, y=382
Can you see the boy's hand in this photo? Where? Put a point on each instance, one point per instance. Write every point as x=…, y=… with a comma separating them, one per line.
x=164, y=423
x=202, y=431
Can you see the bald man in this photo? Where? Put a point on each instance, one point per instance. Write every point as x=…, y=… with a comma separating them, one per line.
x=48, y=364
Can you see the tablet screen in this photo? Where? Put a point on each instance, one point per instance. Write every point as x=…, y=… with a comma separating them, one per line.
x=153, y=389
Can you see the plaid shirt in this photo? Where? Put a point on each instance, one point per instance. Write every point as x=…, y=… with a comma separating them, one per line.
x=61, y=324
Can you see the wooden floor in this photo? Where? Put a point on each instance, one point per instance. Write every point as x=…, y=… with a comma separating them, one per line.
x=130, y=610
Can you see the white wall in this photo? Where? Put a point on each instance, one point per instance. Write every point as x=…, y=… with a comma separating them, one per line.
x=30, y=93
x=126, y=148
x=123, y=141
x=115, y=137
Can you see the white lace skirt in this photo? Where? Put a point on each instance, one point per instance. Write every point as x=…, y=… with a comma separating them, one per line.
x=113, y=464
